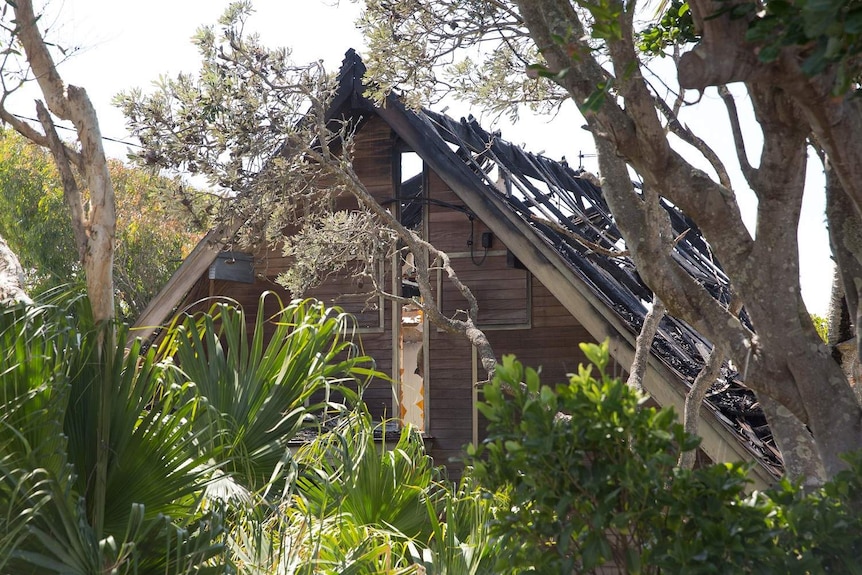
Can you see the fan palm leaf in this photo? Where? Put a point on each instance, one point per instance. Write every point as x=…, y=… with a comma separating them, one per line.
x=258, y=387
x=55, y=370
x=349, y=473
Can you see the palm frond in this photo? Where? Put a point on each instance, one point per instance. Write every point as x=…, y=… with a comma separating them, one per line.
x=350, y=473
x=54, y=368
x=258, y=387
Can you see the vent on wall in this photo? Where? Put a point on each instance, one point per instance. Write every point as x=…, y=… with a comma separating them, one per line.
x=514, y=262
x=233, y=267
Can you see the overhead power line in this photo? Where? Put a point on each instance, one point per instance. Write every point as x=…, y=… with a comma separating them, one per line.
x=59, y=127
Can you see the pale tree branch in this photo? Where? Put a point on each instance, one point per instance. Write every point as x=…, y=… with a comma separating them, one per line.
x=50, y=82
x=34, y=135
x=71, y=191
x=643, y=345
x=798, y=358
x=651, y=247
x=845, y=237
x=739, y=142
x=786, y=362
x=722, y=56
x=696, y=394
x=23, y=128
x=712, y=205
x=343, y=171
x=694, y=400
x=689, y=137
x=636, y=133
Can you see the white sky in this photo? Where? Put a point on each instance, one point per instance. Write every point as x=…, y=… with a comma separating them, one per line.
x=128, y=44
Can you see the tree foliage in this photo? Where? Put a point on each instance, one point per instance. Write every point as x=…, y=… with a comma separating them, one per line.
x=153, y=235
x=589, y=477
x=34, y=218
x=828, y=33
x=257, y=127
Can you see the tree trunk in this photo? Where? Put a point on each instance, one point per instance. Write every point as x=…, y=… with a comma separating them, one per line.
x=11, y=276
x=95, y=227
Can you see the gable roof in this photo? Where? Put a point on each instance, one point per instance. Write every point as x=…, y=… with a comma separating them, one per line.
x=556, y=222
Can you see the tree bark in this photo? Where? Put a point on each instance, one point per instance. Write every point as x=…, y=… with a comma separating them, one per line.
x=11, y=276
x=694, y=402
x=643, y=345
x=95, y=228
x=798, y=449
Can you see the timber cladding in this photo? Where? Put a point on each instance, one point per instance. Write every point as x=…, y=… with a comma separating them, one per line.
x=551, y=346
x=491, y=206
x=520, y=316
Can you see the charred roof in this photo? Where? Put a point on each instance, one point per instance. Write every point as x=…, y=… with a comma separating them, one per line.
x=566, y=210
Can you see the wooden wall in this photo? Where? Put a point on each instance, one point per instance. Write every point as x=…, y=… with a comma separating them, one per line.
x=373, y=163
x=519, y=314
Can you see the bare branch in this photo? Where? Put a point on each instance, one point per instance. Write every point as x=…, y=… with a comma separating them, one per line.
x=40, y=60
x=694, y=399
x=689, y=137
x=420, y=248
x=643, y=345
x=37, y=137
x=732, y=113
x=696, y=394
x=71, y=191
x=581, y=240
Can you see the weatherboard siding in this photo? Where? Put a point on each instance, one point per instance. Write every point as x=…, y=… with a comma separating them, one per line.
x=372, y=162
x=519, y=314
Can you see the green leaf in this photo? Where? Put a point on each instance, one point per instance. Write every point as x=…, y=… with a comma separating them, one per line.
x=513, y=446
x=596, y=354
x=548, y=398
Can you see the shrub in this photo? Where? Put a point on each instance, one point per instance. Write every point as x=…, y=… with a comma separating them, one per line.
x=590, y=476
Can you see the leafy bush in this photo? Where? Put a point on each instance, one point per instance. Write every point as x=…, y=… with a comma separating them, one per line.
x=591, y=479
x=357, y=507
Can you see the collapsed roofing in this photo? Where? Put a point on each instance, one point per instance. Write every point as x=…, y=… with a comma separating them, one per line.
x=556, y=221
x=567, y=211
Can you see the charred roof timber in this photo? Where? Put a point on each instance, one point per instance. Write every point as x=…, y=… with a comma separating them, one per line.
x=569, y=213
x=556, y=221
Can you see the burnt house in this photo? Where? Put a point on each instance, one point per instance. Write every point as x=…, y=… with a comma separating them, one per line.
x=531, y=238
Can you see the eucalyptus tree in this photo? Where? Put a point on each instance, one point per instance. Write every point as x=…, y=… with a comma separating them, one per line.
x=93, y=214
x=153, y=231
x=798, y=65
